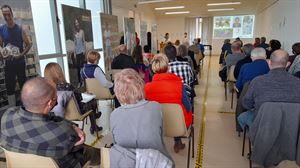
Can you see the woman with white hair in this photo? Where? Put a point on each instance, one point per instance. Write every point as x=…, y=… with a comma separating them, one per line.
x=137, y=123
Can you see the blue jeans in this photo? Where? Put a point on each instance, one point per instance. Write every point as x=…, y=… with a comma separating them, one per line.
x=245, y=118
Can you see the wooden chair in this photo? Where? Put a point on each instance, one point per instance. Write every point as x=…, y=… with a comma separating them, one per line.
x=73, y=113
x=174, y=126
x=22, y=160
x=105, y=160
x=231, y=80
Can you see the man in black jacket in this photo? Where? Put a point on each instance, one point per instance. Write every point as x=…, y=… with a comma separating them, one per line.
x=123, y=61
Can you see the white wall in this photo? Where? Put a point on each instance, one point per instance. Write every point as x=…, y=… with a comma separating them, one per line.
x=173, y=25
x=280, y=21
x=139, y=14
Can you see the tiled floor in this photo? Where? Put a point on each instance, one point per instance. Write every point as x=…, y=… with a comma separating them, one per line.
x=221, y=145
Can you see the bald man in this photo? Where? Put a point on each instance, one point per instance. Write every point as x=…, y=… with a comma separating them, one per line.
x=30, y=129
x=276, y=86
x=236, y=56
x=123, y=61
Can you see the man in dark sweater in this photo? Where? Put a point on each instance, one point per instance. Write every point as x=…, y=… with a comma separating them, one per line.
x=123, y=61
x=276, y=86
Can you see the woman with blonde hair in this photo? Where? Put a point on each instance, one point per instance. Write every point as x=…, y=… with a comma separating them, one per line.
x=137, y=123
x=65, y=91
x=168, y=88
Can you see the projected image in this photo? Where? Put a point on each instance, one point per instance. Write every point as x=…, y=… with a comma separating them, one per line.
x=222, y=21
x=233, y=26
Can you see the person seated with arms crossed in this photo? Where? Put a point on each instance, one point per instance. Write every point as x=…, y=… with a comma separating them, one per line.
x=65, y=91
x=31, y=130
x=276, y=86
x=138, y=123
x=168, y=88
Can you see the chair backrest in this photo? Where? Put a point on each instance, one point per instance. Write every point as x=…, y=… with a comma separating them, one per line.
x=22, y=160
x=105, y=160
x=230, y=74
x=198, y=57
x=94, y=87
x=173, y=120
x=114, y=72
x=72, y=111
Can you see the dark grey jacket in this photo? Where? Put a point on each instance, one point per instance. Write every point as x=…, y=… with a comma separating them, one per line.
x=275, y=133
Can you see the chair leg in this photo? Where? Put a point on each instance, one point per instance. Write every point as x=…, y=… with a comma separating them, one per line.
x=250, y=151
x=83, y=124
x=189, y=152
x=244, y=139
x=225, y=88
x=232, y=98
x=193, y=142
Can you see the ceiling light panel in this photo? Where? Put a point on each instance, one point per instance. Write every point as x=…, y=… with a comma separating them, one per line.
x=225, y=3
x=175, y=13
x=172, y=7
x=225, y=9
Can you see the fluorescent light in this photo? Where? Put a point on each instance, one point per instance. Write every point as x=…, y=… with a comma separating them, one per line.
x=172, y=7
x=226, y=3
x=153, y=1
x=174, y=13
x=225, y=9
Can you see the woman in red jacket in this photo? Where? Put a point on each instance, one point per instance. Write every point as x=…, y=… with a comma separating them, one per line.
x=168, y=88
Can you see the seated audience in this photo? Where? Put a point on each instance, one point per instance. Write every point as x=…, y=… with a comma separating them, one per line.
x=295, y=66
x=137, y=123
x=276, y=86
x=147, y=53
x=247, y=48
x=263, y=43
x=65, y=91
x=274, y=45
x=176, y=45
x=182, y=55
x=92, y=70
x=123, y=61
x=140, y=63
x=257, y=42
x=249, y=71
x=226, y=49
x=31, y=130
x=168, y=88
x=239, y=41
x=201, y=46
x=181, y=69
x=232, y=59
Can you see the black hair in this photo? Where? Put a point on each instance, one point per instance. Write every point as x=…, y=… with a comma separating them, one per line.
x=170, y=51
x=146, y=49
x=7, y=6
x=275, y=44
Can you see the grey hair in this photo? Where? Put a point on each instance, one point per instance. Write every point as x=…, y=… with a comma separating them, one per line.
x=247, y=48
x=279, y=59
x=258, y=53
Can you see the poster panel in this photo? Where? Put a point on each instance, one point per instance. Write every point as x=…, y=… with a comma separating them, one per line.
x=111, y=39
x=18, y=50
x=154, y=38
x=79, y=39
x=143, y=33
x=129, y=38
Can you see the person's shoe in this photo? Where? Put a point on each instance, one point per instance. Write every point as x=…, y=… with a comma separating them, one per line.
x=92, y=130
x=98, y=115
x=178, y=147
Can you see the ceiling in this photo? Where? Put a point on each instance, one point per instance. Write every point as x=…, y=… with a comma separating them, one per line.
x=197, y=8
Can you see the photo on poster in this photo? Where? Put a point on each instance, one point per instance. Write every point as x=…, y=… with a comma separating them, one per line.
x=18, y=50
x=237, y=32
x=222, y=22
x=143, y=33
x=223, y=33
x=237, y=22
x=111, y=39
x=79, y=39
x=129, y=38
x=248, y=25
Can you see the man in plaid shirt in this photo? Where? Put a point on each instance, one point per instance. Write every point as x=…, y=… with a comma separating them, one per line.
x=30, y=129
x=180, y=68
